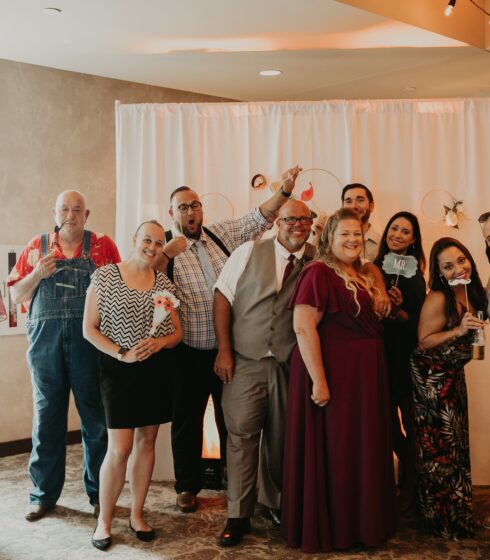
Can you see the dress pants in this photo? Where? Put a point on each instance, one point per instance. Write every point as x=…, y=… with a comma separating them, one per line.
x=194, y=381
x=254, y=404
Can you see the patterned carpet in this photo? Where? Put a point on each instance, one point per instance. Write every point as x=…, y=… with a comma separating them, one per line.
x=65, y=533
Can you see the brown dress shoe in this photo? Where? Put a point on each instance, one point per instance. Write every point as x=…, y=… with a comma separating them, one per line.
x=36, y=511
x=186, y=502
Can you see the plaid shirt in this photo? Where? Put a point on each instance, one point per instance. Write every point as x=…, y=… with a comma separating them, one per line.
x=196, y=299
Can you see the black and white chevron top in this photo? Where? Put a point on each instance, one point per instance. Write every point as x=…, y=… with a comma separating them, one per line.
x=126, y=314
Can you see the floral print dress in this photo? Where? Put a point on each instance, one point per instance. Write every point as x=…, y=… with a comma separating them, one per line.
x=443, y=453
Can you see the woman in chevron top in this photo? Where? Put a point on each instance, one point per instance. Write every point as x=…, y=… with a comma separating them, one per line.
x=130, y=317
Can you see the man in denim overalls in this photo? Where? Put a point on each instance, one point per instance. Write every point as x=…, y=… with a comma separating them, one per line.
x=53, y=273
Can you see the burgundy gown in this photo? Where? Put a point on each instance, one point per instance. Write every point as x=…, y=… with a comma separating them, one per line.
x=338, y=486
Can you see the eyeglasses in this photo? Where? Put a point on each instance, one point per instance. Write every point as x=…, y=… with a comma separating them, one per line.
x=291, y=220
x=184, y=208
x=484, y=217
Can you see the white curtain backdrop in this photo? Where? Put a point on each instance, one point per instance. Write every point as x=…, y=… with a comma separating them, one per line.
x=410, y=153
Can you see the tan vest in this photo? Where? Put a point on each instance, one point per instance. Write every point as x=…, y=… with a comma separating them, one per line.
x=262, y=321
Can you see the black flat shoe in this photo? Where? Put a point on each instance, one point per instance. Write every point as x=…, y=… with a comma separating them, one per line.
x=145, y=536
x=101, y=544
x=234, y=531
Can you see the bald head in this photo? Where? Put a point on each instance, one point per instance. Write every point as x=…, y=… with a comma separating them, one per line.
x=289, y=208
x=294, y=234
x=71, y=194
x=70, y=214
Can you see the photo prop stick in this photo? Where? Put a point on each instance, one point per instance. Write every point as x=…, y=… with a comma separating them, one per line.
x=465, y=282
x=163, y=302
x=401, y=265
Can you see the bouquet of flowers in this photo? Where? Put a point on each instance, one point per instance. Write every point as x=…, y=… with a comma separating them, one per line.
x=163, y=302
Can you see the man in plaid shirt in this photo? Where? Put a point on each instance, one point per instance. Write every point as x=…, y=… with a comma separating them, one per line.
x=200, y=255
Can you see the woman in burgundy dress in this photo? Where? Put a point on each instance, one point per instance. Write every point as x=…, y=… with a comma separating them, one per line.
x=338, y=487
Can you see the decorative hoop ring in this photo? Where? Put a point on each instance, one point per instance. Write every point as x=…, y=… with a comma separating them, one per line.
x=422, y=202
x=339, y=182
x=258, y=181
x=232, y=208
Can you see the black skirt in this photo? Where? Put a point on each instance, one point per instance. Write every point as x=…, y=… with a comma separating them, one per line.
x=137, y=394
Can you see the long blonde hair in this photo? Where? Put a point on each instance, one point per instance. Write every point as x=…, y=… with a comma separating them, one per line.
x=325, y=255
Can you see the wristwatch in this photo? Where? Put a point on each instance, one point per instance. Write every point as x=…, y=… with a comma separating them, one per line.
x=284, y=193
x=121, y=353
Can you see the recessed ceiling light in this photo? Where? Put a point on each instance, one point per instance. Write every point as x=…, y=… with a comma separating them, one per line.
x=270, y=72
x=52, y=11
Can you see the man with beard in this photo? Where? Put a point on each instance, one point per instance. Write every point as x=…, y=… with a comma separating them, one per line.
x=360, y=199
x=194, y=270
x=255, y=335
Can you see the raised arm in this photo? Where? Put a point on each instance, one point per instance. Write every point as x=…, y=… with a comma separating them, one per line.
x=224, y=364
x=270, y=207
x=305, y=321
x=171, y=249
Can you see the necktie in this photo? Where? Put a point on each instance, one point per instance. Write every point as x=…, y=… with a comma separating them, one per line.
x=288, y=269
x=207, y=267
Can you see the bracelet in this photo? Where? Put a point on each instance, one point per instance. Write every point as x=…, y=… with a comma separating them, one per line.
x=454, y=336
x=165, y=255
x=284, y=193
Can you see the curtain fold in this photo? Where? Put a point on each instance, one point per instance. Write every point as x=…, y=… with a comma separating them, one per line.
x=403, y=150
x=414, y=155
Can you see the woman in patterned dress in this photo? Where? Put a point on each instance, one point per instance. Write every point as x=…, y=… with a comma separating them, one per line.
x=134, y=371
x=440, y=404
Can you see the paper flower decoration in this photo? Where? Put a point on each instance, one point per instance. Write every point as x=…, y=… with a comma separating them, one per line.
x=453, y=213
x=163, y=302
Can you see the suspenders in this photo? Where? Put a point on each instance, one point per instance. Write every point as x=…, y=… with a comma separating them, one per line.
x=210, y=234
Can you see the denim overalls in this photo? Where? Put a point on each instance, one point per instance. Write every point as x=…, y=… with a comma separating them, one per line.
x=60, y=358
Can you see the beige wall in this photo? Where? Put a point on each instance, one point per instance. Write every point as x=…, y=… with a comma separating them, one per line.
x=56, y=131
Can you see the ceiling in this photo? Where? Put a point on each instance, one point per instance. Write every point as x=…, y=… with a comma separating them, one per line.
x=326, y=49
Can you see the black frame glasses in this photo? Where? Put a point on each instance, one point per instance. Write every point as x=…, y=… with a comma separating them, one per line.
x=303, y=220
x=184, y=208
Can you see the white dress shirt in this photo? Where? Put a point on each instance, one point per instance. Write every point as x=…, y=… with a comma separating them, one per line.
x=235, y=265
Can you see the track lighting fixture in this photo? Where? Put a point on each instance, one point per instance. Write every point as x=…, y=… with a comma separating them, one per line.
x=449, y=8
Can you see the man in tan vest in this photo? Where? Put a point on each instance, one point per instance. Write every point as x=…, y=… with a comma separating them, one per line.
x=254, y=329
